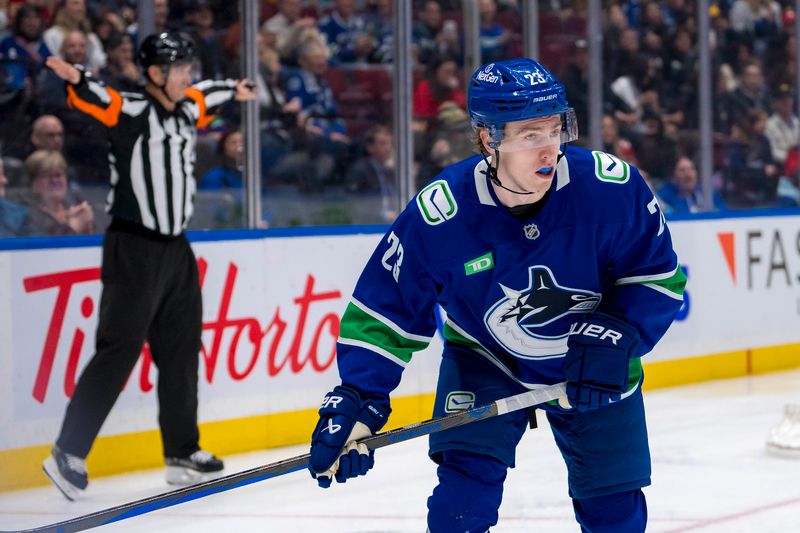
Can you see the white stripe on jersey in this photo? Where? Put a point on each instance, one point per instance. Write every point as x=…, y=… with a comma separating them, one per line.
x=374, y=349
x=204, y=85
x=562, y=173
x=642, y=279
x=139, y=187
x=157, y=172
x=188, y=166
x=134, y=108
x=482, y=183
x=217, y=98
x=176, y=140
x=100, y=92
x=112, y=161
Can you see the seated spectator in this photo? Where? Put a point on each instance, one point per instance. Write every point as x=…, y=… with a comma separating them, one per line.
x=429, y=35
x=624, y=51
x=71, y=16
x=13, y=216
x=107, y=22
x=297, y=37
x=750, y=94
x=23, y=52
x=495, y=39
x=121, y=72
x=47, y=133
x=758, y=20
x=682, y=194
x=346, y=34
x=279, y=116
x=655, y=150
x=441, y=84
x=52, y=211
x=783, y=127
x=616, y=144
x=449, y=142
x=228, y=173
x=680, y=71
x=287, y=19
x=752, y=173
x=575, y=79
x=85, y=140
x=324, y=146
x=22, y=56
x=652, y=21
x=206, y=39
x=381, y=28
x=161, y=21
x=374, y=173
x=317, y=100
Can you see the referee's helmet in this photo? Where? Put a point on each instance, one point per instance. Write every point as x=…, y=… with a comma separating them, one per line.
x=167, y=48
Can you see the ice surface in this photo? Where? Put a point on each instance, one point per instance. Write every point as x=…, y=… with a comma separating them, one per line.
x=711, y=473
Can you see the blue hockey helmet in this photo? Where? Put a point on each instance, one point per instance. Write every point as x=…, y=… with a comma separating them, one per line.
x=516, y=90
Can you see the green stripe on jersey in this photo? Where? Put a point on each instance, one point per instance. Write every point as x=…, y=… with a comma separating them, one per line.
x=456, y=338
x=360, y=326
x=673, y=284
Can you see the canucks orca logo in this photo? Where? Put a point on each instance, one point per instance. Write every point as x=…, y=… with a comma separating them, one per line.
x=518, y=320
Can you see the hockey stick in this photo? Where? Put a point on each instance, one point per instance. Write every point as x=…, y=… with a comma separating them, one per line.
x=260, y=473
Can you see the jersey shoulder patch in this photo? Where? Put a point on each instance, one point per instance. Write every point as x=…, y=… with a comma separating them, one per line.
x=610, y=168
x=437, y=203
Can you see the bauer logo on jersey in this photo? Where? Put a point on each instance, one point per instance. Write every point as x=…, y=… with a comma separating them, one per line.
x=517, y=321
x=436, y=203
x=610, y=168
x=459, y=400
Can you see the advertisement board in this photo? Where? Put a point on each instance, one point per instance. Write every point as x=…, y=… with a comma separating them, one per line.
x=272, y=305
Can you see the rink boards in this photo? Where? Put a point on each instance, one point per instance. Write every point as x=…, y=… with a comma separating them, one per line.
x=272, y=302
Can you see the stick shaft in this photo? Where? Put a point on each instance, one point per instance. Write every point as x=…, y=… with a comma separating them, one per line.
x=279, y=468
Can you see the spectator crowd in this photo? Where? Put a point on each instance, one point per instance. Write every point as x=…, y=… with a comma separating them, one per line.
x=324, y=92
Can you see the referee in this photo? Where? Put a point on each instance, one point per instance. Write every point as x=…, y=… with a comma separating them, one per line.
x=151, y=289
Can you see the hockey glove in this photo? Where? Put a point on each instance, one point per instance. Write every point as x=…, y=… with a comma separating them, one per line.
x=596, y=364
x=344, y=418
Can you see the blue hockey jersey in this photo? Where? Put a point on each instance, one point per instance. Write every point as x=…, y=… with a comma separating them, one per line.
x=512, y=288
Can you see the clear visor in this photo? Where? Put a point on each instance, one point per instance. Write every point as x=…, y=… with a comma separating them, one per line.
x=535, y=133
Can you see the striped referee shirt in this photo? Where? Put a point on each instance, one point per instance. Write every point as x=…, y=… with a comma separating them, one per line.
x=152, y=150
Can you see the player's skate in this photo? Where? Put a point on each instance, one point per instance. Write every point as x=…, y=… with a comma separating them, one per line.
x=784, y=439
x=67, y=472
x=198, y=467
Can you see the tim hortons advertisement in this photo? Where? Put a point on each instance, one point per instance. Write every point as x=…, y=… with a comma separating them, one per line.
x=271, y=316
x=270, y=321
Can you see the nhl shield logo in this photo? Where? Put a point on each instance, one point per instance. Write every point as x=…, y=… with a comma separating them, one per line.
x=532, y=231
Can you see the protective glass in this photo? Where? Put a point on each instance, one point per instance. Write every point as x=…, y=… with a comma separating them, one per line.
x=527, y=135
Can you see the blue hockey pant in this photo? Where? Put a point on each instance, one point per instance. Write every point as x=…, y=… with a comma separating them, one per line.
x=606, y=453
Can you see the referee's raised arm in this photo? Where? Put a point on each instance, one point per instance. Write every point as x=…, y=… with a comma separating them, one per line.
x=99, y=101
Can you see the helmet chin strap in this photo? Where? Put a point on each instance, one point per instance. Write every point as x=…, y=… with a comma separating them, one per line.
x=491, y=171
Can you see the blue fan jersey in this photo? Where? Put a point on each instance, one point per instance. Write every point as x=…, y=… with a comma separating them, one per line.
x=512, y=288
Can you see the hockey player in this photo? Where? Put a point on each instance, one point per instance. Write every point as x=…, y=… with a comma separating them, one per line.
x=151, y=288
x=552, y=265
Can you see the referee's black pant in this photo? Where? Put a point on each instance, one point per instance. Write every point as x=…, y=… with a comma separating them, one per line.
x=151, y=291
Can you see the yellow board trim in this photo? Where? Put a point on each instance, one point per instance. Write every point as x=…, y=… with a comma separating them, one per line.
x=137, y=451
